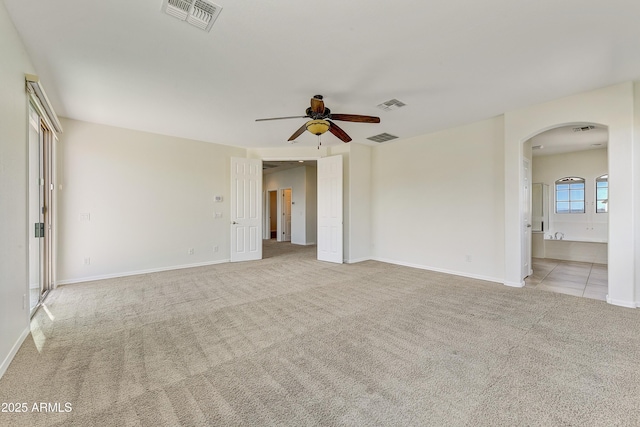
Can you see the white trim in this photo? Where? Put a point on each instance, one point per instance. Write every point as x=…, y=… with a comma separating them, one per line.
x=440, y=270
x=289, y=159
x=622, y=303
x=514, y=284
x=35, y=89
x=354, y=261
x=135, y=273
x=7, y=360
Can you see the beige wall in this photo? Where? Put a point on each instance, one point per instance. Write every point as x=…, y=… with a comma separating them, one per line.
x=311, y=204
x=14, y=314
x=437, y=201
x=636, y=185
x=149, y=199
x=360, y=202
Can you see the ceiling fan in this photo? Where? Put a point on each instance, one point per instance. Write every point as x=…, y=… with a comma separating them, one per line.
x=322, y=120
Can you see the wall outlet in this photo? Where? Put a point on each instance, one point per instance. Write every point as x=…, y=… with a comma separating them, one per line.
x=87, y=261
x=24, y=301
x=217, y=215
x=467, y=258
x=190, y=251
x=215, y=249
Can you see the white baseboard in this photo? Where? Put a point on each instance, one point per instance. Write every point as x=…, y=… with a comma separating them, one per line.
x=440, y=270
x=356, y=260
x=7, y=360
x=622, y=303
x=514, y=284
x=135, y=273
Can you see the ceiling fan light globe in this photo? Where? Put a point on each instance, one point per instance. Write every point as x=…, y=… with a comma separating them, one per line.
x=318, y=127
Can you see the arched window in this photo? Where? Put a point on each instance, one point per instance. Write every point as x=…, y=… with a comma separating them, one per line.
x=602, y=194
x=570, y=195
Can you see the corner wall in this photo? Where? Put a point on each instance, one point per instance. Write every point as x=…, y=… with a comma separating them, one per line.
x=14, y=242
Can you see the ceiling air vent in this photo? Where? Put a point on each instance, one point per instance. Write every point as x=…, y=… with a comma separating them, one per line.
x=383, y=137
x=199, y=13
x=392, y=104
x=584, y=128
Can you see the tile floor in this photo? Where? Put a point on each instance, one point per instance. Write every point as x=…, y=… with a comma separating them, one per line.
x=581, y=279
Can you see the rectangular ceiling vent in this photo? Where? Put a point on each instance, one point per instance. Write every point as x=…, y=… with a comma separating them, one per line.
x=584, y=128
x=383, y=137
x=199, y=13
x=392, y=104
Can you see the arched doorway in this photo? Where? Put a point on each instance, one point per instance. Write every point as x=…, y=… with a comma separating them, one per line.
x=612, y=107
x=567, y=204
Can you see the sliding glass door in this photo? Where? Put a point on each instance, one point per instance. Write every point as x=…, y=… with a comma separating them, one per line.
x=40, y=203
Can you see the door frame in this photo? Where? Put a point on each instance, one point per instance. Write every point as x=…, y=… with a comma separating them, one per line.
x=265, y=192
x=526, y=218
x=282, y=227
x=267, y=212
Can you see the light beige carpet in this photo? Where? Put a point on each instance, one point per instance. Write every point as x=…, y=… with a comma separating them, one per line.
x=291, y=341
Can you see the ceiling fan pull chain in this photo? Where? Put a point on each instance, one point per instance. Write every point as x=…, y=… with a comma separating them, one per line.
x=319, y=142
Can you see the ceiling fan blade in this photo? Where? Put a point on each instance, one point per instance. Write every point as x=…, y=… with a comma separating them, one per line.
x=339, y=133
x=317, y=104
x=281, y=118
x=298, y=132
x=355, y=118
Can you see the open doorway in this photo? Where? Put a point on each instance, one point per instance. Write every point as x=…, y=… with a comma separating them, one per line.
x=278, y=215
x=290, y=198
x=568, y=206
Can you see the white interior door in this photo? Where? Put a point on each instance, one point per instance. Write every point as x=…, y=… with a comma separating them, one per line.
x=286, y=215
x=526, y=219
x=246, y=209
x=330, y=209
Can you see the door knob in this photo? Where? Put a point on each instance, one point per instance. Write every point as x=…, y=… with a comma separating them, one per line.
x=234, y=222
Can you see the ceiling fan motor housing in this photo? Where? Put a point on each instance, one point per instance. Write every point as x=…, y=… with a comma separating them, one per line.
x=326, y=114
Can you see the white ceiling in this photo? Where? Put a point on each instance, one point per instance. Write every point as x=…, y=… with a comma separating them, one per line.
x=127, y=64
x=269, y=166
x=565, y=139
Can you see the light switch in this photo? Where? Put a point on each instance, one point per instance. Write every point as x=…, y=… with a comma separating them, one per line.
x=218, y=215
